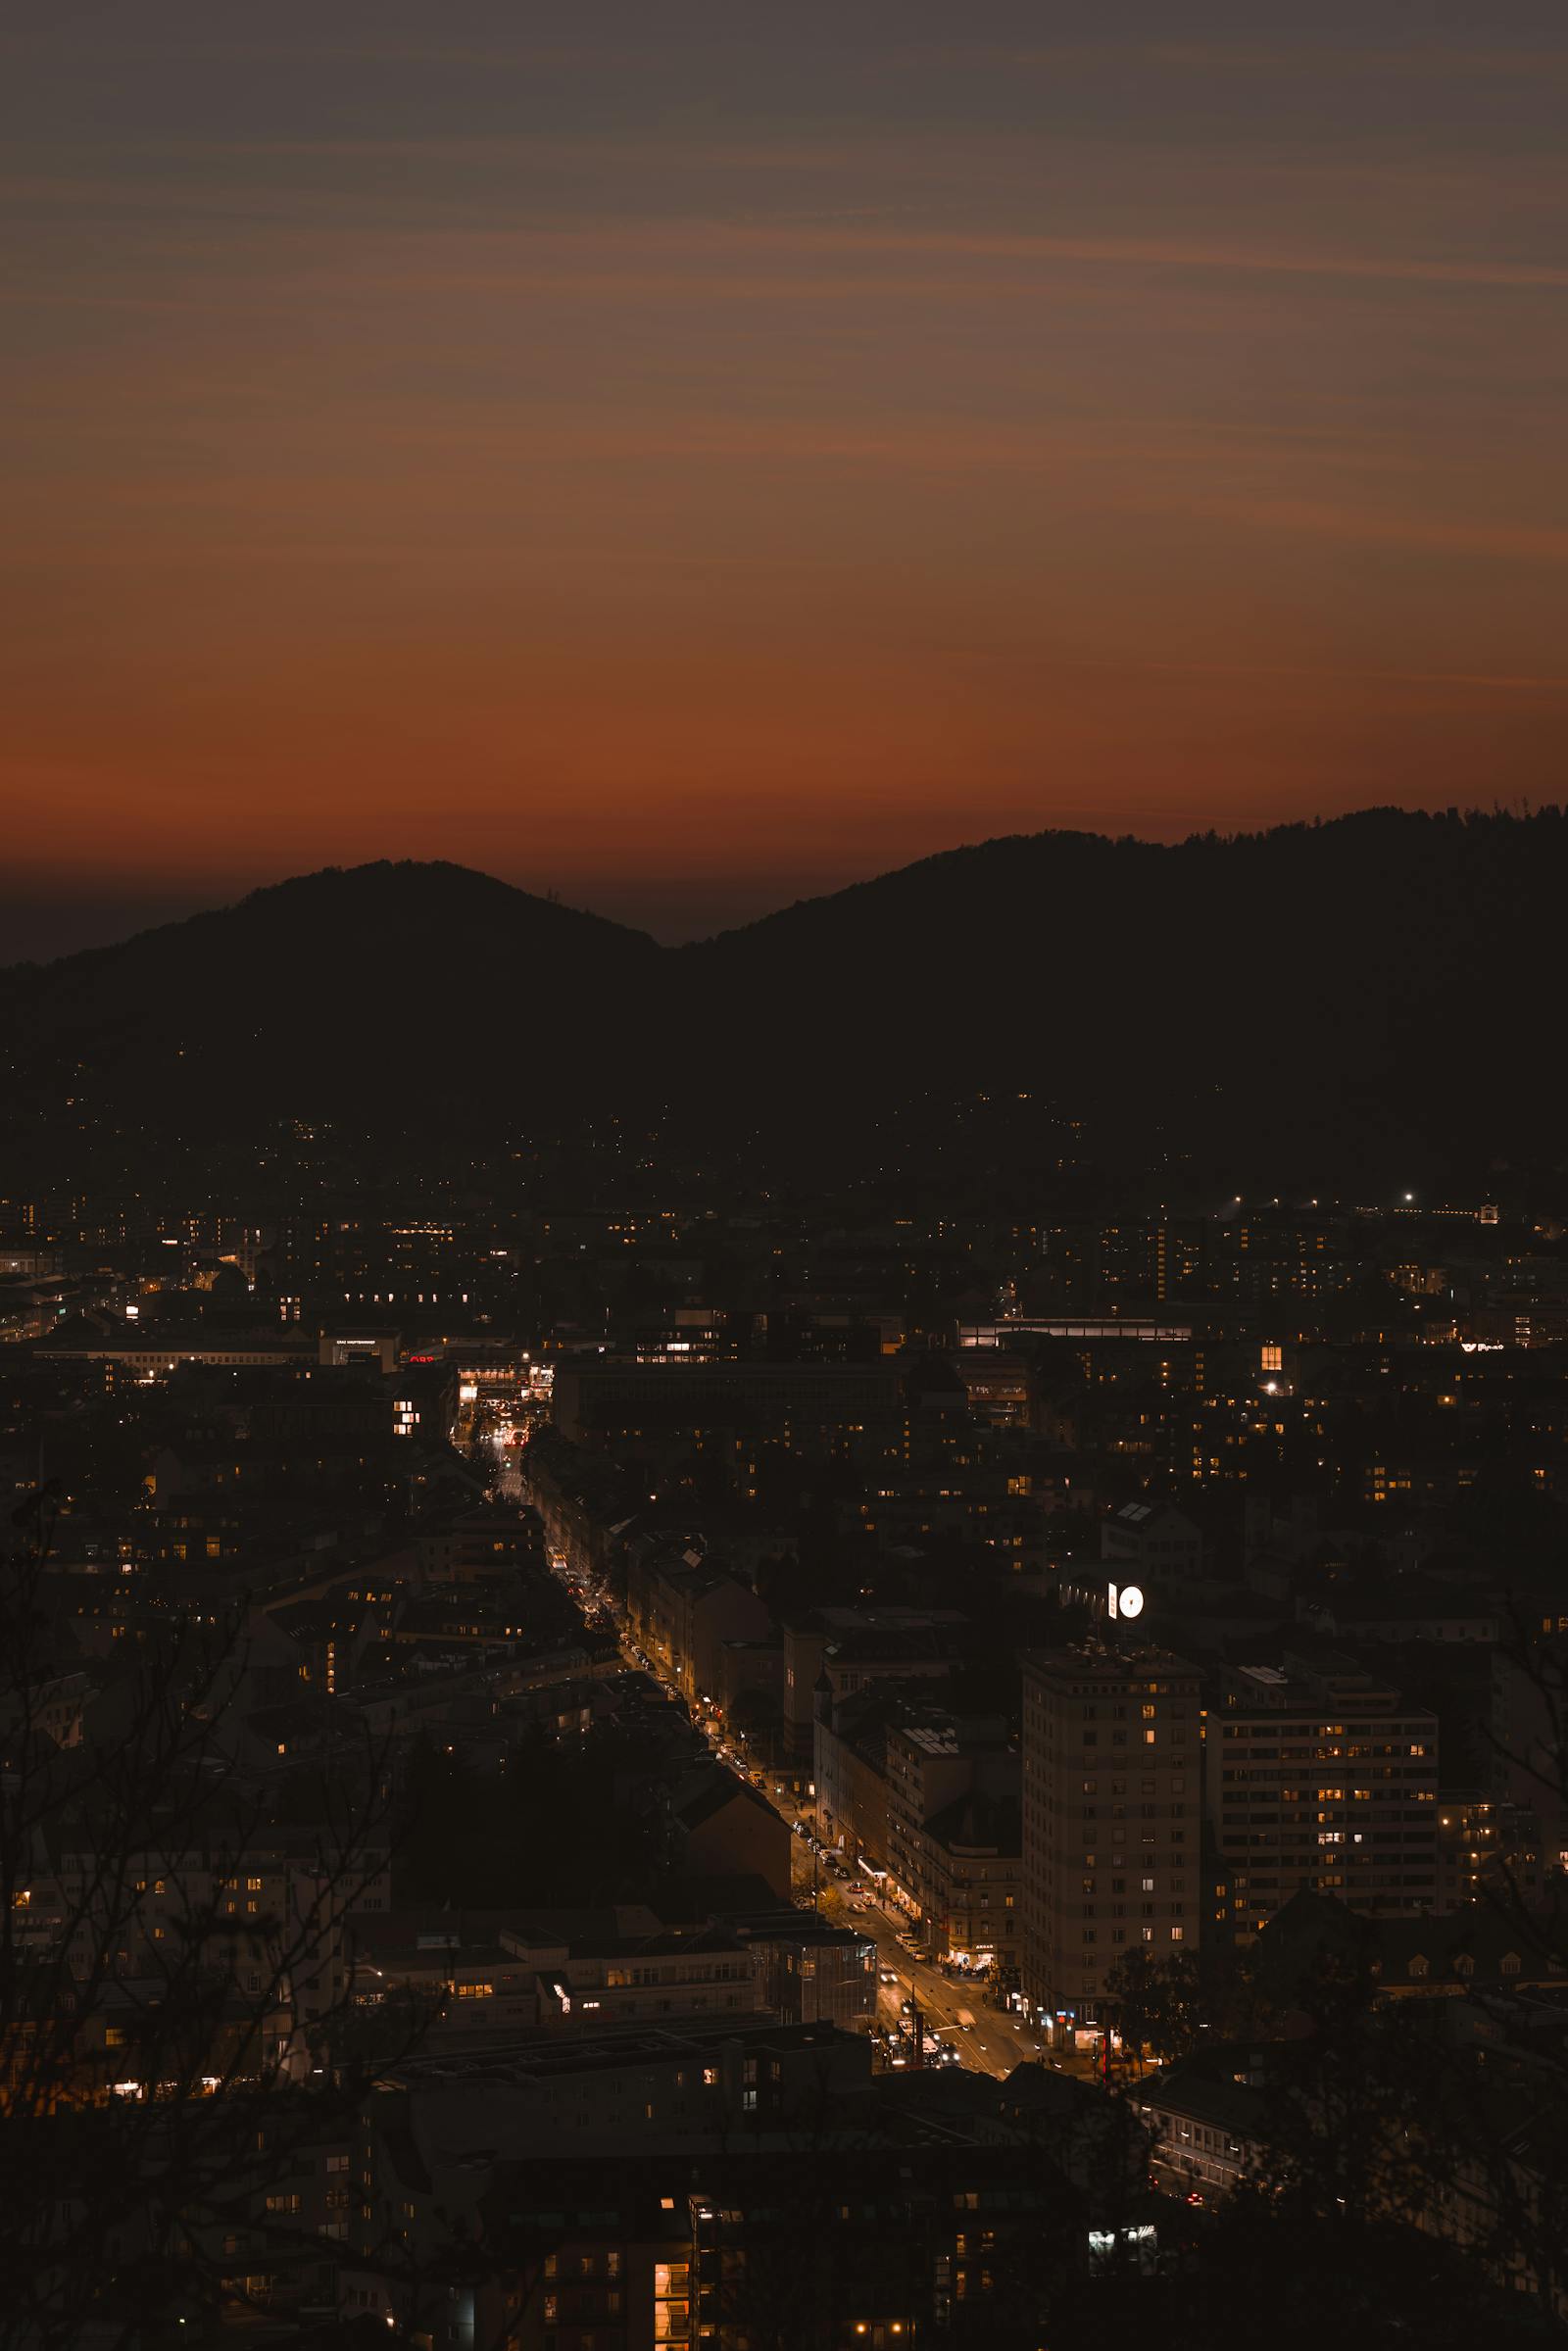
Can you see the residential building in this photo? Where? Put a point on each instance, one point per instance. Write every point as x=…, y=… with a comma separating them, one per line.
x=1318, y=1775
x=1111, y=1780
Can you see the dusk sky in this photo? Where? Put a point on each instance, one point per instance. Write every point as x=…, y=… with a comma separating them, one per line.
x=689, y=457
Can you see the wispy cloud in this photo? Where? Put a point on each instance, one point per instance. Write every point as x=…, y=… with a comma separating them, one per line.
x=1422, y=61
x=395, y=397
x=1368, y=526
x=1150, y=253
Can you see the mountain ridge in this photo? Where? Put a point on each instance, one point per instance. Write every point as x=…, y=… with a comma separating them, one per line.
x=269, y=896
x=1355, y=993
x=946, y=860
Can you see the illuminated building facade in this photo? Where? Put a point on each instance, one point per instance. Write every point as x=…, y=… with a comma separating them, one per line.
x=1112, y=1783
x=1316, y=1777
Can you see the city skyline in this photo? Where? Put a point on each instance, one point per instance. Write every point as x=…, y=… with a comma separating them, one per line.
x=783, y=1234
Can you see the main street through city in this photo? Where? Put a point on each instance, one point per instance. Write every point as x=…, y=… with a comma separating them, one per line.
x=954, y=2008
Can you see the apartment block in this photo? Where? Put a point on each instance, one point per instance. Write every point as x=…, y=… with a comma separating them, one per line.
x=1113, y=1768
x=1318, y=1775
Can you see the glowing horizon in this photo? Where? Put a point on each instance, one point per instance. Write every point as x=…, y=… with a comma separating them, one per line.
x=694, y=470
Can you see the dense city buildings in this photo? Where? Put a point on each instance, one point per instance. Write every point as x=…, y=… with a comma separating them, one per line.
x=653, y=1685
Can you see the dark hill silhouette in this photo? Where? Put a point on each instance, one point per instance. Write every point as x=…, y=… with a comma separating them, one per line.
x=1350, y=999
x=375, y=992
x=1372, y=999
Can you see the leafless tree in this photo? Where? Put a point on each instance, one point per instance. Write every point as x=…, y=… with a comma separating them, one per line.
x=179, y=2022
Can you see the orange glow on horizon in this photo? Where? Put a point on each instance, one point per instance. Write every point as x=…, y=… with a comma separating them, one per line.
x=515, y=470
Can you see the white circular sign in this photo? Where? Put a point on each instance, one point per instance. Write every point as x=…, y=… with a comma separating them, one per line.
x=1127, y=1601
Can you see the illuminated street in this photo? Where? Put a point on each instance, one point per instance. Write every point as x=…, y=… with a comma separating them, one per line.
x=988, y=2042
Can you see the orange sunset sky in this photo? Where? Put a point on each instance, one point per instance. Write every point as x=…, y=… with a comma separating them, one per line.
x=689, y=457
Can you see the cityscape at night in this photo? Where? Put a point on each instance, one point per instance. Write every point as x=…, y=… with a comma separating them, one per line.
x=784, y=1178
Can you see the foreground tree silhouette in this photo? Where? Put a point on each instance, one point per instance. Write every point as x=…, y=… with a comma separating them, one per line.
x=176, y=2015
x=1158, y=2003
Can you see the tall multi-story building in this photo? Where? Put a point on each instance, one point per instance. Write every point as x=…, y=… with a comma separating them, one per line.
x=952, y=1848
x=1318, y=1775
x=1113, y=1770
